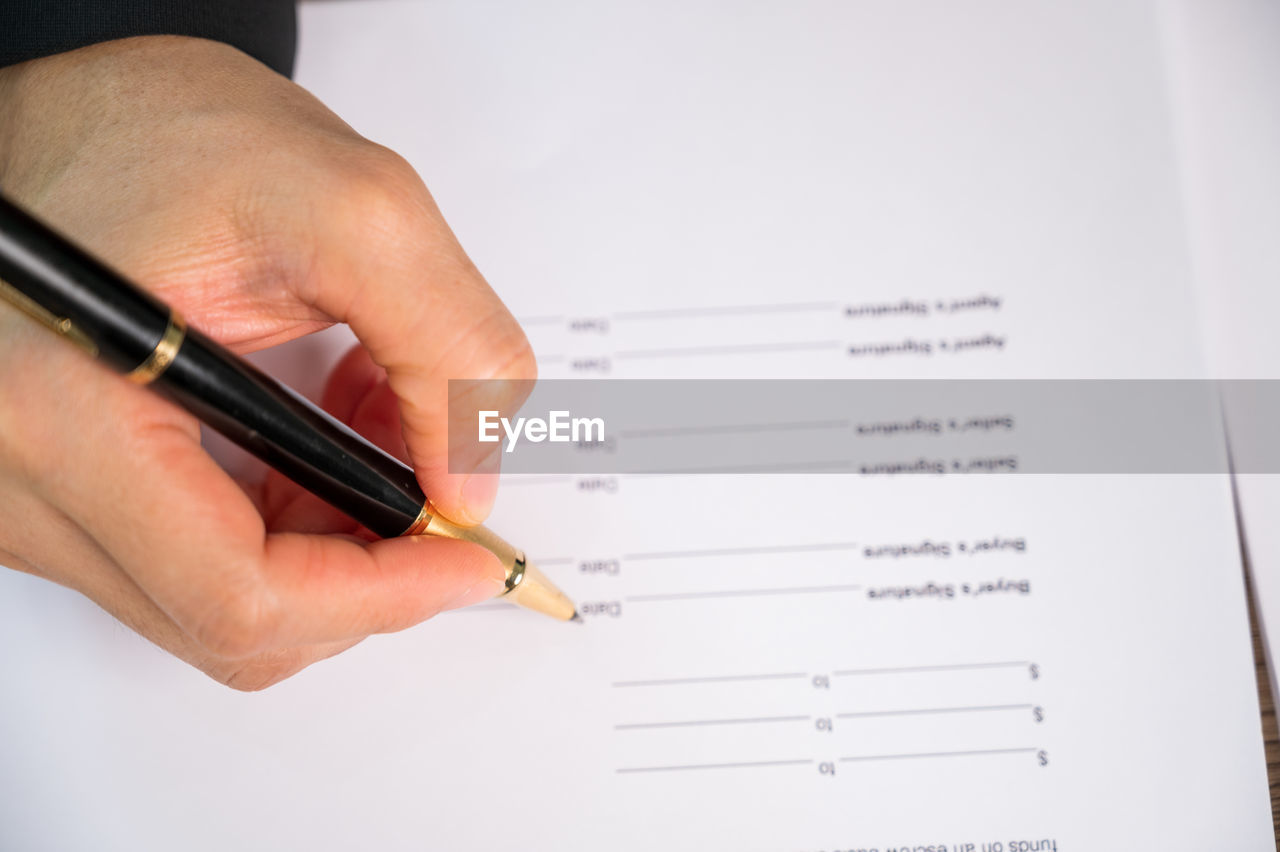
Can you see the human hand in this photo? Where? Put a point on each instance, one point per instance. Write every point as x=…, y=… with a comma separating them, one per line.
x=239, y=199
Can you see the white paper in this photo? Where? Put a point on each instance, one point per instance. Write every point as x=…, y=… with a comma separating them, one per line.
x=736, y=685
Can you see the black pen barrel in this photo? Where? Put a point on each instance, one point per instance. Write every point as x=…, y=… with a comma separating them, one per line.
x=136, y=333
x=292, y=435
x=124, y=322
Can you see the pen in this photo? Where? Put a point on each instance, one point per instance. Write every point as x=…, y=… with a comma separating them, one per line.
x=80, y=299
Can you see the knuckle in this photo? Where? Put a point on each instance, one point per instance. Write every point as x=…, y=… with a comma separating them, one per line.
x=496, y=363
x=236, y=625
x=514, y=359
x=495, y=346
x=263, y=671
x=389, y=165
x=384, y=195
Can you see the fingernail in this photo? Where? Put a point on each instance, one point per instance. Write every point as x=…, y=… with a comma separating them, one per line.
x=480, y=489
x=483, y=590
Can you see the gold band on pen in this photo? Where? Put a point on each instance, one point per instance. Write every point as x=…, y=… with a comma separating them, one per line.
x=164, y=353
x=526, y=585
x=431, y=522
x=419, y=526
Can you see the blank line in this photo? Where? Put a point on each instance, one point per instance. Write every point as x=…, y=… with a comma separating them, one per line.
x=778, y=467
x=638, y=725
x=936, y=754
x=543, y=320
x=929, y=710
x=679, y=681
x=714, y=766
x=740, y=349
x=726, y=310
x=552, y=359
x=736, y=593
x=559, y=560
x=953, y=667
x=741, y=551
x=676, y=431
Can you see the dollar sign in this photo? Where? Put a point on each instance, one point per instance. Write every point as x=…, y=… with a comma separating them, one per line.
x=1035, y=672
x=1038, y=713
x=1043, y=757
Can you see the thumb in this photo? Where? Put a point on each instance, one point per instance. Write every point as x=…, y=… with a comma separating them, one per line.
x=389, y=266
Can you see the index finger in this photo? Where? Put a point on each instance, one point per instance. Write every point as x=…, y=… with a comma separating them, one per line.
x=390, y=267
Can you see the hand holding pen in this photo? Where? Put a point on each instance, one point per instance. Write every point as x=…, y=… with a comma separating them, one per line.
x=240, y=201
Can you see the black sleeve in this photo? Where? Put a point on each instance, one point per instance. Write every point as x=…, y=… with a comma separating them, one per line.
x=264, y=29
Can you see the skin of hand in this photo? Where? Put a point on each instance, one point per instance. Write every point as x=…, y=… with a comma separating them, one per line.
x=243, y=202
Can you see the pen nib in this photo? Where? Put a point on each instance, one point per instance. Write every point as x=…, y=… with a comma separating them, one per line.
x=576, y=617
